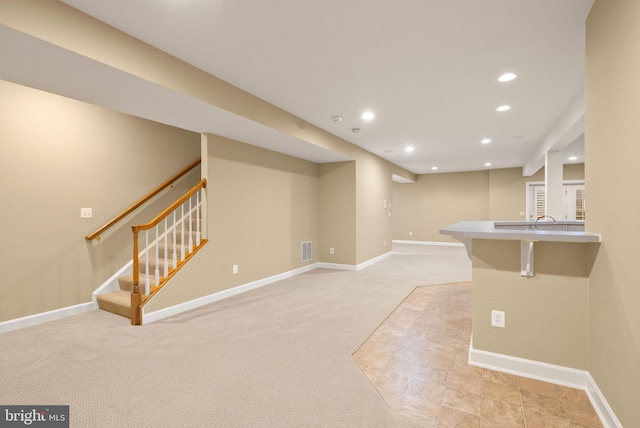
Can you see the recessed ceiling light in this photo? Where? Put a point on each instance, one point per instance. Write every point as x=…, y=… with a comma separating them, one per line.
x=573, y=158
x=336, y=118
x=355, y=130
x=368, y=115
x=503, y=108
x=434, y=168
x=409, y=149
x=507, y=77
x=487, y=164
x=486, y=141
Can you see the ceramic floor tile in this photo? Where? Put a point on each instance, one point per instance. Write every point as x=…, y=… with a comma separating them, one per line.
x=400, y=365
x=371, y=372
x=426, y=411
x=486, y=423
x=532, y=388
x=583, y=415
x=578, y=407
x=391, y=397
x=463, y=401
x=500, y=377
x=544, y=420
x=419, y=333
x=436, y=360
x=409, y=353
x=454, y=418
x=501, y=392
x=549, y=406
x=394, y=381
x=465, y=382
x=418, y=361
x=502, y=412
x=427, y=383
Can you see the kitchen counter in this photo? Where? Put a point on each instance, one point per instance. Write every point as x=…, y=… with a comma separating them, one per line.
x=518, y=231
x=543, y=308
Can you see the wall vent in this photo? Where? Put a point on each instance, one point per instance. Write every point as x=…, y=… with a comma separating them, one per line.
x=306, y=251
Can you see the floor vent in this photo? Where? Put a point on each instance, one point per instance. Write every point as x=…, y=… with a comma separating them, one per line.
x=306, y=251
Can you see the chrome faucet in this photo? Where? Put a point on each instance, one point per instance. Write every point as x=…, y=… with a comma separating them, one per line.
x=535, y=223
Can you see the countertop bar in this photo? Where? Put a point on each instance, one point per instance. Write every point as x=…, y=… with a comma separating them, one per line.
x=465, y=230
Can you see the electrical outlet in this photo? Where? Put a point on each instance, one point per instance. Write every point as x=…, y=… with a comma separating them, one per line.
x=86, y=213
x=498, y=319
x=330, y=250
x=410, y=233
x=235, y=268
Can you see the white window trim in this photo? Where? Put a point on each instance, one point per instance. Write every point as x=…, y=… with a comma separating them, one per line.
x=529, y=188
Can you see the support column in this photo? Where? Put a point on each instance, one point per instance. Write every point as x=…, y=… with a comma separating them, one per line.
x=553, y=175
x=204, y=173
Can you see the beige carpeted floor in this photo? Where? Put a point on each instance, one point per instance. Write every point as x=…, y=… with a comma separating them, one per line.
x=279, y=356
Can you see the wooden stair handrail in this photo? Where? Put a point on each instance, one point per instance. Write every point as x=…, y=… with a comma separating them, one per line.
x=132, y=208
x=201, y=185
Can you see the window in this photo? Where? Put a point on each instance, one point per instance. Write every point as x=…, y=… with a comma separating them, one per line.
x=574, y=200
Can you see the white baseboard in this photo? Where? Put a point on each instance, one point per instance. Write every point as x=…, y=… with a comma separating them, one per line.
x=211, y=298
x=605, y=412
x=374, y=260
x=337, y=266
x=551, y=373
x=442, y=244
x=361, y=266
x=43, y=317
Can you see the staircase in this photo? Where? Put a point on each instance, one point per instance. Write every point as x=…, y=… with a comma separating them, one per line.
x=170, y=240
x=119, y=302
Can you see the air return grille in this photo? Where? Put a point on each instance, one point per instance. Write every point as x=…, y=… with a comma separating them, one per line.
x=306, y=251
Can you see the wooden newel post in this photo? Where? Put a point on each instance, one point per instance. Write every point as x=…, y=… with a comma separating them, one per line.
x=136, y=298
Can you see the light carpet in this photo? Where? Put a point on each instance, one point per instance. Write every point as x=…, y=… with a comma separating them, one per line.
x=278, y=356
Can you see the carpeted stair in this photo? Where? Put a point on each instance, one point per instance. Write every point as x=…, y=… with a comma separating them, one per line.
x=119, y=302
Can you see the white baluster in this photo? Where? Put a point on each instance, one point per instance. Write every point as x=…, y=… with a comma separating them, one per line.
x=157, y=271
x=175, y=245
x=166, y=249
x=146, y=263
x=190, y=247
x=197, y=219
x=182, y=255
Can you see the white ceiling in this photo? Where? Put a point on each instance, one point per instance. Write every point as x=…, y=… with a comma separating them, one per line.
x=427, y=68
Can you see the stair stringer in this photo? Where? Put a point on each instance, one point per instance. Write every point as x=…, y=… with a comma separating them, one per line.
x=173, y=281
x=111, y=284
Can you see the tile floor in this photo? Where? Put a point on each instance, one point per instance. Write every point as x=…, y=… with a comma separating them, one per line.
x=417, y=360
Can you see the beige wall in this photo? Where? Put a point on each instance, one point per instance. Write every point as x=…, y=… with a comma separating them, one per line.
x=56, y=23
x=57, y=156
x=374, y=226
x=338, y=212
x=546, y=315
x=62, y=25
x=438, y=200
x=261, y=206
x=612, y=153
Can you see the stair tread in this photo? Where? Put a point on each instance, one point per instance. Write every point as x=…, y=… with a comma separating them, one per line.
x=126, y=282
x=117, y=302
